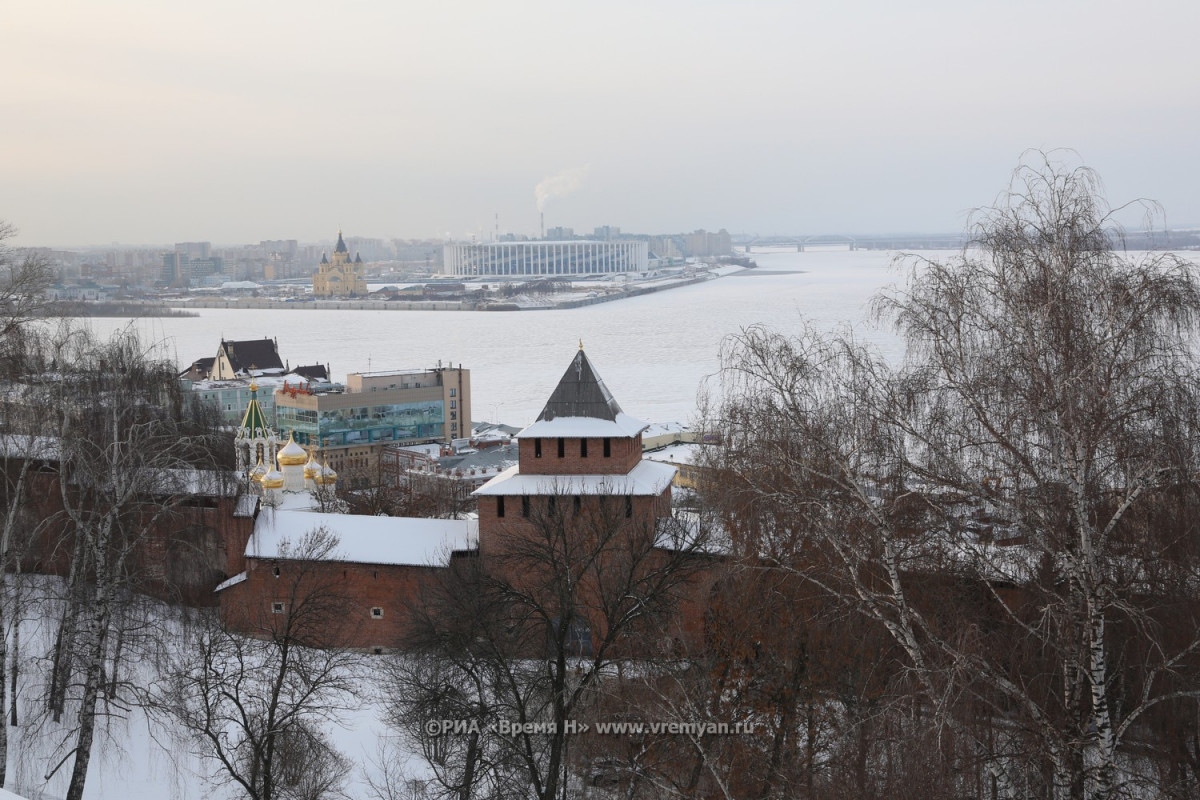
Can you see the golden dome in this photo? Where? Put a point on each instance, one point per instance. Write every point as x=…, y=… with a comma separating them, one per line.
x=292, y=454
x=259, y=470
x=327, y=476
x=312, y=468
x=273, y=480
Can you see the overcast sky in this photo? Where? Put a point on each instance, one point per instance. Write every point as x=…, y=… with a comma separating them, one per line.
x=155, y=122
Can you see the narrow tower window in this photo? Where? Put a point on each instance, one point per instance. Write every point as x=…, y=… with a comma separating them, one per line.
x=537, y=448
x=607, y=447
x=583, y=448
x=500, y=506
x=562, y=447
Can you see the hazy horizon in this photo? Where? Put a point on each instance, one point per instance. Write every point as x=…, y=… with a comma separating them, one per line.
x=147, y=124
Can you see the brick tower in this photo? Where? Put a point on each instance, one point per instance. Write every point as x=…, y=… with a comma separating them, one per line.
x=582, y=452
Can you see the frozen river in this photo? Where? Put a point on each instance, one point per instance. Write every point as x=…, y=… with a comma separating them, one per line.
x=652, y=351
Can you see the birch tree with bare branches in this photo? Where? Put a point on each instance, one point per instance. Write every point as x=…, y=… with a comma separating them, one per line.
x=1016, y=502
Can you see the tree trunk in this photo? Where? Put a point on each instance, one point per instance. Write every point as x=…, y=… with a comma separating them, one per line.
x=91, y=691
x=10, y=522
x=111, y=689
x=469, y=772
x=3, y=683
x=1101, y=715
x=64, y=640
x=15, y=668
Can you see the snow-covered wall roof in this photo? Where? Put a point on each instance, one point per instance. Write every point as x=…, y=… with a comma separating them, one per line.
x=364, y=539
x=234, y=581
x=43, y=448
x=647, y=478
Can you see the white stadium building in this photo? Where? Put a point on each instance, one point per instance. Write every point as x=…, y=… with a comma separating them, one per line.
x=546, y=258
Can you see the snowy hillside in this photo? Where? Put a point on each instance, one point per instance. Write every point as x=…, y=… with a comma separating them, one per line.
x=140, y=755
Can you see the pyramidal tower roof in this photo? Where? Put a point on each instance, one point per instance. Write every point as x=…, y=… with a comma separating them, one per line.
x=581, y=393
x=254, y=423
x=582, y=406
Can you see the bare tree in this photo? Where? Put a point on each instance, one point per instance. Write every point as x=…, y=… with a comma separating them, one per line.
x=378, y=491
x=1016, y=504
x=256, y=706
x=22, y=461
x=24, y=279
x=127, y=461
x=527, y=632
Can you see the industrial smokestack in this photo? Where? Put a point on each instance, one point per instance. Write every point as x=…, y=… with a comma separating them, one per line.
x=542, y=214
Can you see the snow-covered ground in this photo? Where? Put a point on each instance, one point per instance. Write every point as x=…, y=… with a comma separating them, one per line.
x=142, y=756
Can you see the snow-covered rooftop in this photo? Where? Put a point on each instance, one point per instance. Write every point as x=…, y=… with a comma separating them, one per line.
x=431, y=450
x=246, y=505
x=581, y=427
x=364, y=539
x=682, y=453
x=665, y=428
x=234, y=581
x=265, y=382
x=16, y=445
x=647, y=478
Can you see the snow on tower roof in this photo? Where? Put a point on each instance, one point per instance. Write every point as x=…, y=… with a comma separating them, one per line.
x=582, y=406
x=647, y=478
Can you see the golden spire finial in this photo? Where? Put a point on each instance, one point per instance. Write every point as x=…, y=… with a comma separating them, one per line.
x=581, y=344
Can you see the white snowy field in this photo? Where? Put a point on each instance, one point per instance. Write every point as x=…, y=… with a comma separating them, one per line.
x=144, y=756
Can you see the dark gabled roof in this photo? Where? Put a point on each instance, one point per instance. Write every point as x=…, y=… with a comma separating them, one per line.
x=358, y=258
x=314, y=372
x=581, y=393
x=341, y=245
x=200, y=369
x=252, y=354
x=324, y=258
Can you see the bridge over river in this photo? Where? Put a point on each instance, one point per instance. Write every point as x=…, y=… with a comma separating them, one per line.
x=825, y=241
x=1175, y=239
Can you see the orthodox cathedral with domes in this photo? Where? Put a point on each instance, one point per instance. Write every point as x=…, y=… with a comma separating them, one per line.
x=341, y=276
x=581, y=450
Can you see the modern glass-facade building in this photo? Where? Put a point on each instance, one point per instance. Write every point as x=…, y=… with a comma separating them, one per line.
x=539, y=259
x=365, y=424
x=349, y=425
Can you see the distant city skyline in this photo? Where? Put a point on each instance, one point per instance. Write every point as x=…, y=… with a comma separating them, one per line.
x=147, y=124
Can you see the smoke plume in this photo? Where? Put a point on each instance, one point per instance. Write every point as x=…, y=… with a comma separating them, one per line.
x=560, y=185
